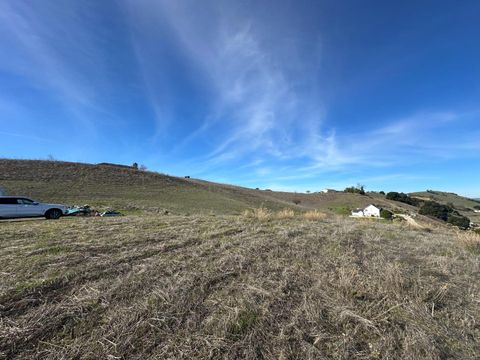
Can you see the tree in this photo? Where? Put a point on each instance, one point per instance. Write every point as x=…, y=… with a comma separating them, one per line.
x=458, y=220
x=435, y=209
x=135, y=166
x=384, y=213
x=401, y=197
x=359, y=189
x=143, y=167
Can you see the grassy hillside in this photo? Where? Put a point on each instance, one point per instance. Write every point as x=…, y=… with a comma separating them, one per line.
x=196, y=287
x=131, y=190
x=123, y=188
x=462, y=204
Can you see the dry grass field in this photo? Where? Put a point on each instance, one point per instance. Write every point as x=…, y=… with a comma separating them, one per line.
x=256, y=286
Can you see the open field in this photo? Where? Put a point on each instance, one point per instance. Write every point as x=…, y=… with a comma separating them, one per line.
x=196, y=287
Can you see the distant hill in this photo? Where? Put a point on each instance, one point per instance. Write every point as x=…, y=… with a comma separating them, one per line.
x=463, y=204
x=128, y=189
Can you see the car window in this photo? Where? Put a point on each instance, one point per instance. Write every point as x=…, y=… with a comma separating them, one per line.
x=8, y=201
x=25, y=201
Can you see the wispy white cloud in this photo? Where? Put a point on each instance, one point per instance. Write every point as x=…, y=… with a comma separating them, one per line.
x=256, y=107
x=55, y=53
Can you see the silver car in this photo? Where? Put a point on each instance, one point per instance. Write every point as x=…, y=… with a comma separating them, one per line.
x=23, y=207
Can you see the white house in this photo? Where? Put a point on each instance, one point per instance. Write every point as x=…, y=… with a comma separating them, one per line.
x=326, y=191
x=369, y=211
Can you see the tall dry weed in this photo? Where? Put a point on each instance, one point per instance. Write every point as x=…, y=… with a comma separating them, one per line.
x=314, y=215
x=470, y=241
x=260, y=214
x=285, y=214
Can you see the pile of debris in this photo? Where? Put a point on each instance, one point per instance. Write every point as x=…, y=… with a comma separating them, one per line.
x=86, y=210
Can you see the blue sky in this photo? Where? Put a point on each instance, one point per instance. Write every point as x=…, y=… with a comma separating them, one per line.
x=287, y=95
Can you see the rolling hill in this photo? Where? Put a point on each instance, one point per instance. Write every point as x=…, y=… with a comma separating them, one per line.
x=131, y=190
x=463, y=205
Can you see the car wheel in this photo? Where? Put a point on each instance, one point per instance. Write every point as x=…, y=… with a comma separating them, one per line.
x=53, y=214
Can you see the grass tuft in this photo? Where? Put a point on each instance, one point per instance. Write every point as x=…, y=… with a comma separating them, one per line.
x=314, y=215
x=470, y=241
x=285, y=214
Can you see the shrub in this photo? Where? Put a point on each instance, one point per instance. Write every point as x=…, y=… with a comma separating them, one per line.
x=382, y=192
x=458, y=220
x=477, y=207
x=359, y=189
x=432, y=208
x=386, y=214
x=446, y=213
x=296, y=201
x=404, y=198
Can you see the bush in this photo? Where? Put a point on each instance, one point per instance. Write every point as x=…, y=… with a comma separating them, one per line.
x=382, y=192
x=477, y=207
x=458, y=220
x=432, y=208
x=386, y=214
x=359, y=189
x=446, y=213
x=404, y=198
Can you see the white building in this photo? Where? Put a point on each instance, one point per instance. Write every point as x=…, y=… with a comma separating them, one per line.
x=369, y=211
x=326, y=191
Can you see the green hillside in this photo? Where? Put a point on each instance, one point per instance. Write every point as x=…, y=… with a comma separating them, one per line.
x=464, y=205
x=130, y=190
x=124, y=188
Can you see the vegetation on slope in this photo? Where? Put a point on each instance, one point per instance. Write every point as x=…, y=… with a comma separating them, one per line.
x=124, y=188
x=234, y=287
x=464, y=206
x=132, y=191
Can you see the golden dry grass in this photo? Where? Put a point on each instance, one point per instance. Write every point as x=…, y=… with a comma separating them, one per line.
x=285, y=214
x=226, y=287
x=314, y=215
x=470, y=241
x=260, y=214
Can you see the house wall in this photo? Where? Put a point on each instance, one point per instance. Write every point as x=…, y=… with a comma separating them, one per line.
x=357, y=214
x=371, y=211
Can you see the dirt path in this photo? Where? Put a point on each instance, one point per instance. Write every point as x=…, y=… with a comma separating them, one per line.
x=410, y=220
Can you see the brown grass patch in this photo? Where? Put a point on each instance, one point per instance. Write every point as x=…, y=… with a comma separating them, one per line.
x=314, y=215
x=285, y=214
x=470, y=241
x=260, y=214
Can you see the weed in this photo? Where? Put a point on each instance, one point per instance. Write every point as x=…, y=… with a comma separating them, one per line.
x=314, y=215
x=285, y=214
